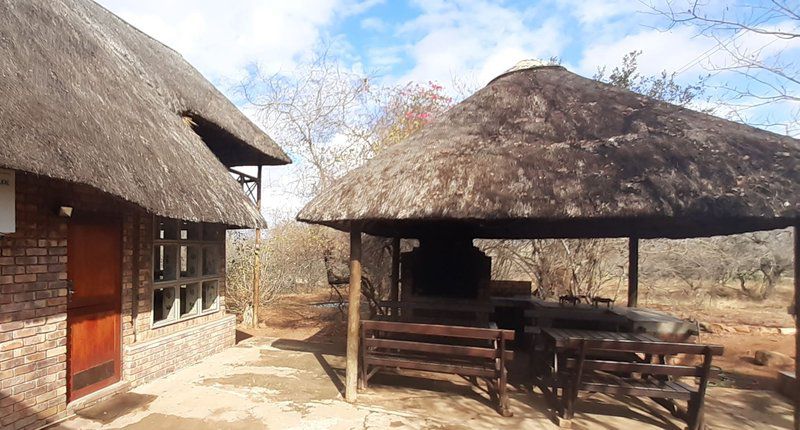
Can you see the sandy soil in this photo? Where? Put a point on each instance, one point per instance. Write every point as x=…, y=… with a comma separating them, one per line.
x=296, y=317
x=731, y=309
x=725, y=306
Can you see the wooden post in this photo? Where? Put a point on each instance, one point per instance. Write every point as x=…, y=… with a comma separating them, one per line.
x=257, y=257
x=633, y=272
x=353, y=315
x=395, y=291
x=796, y=312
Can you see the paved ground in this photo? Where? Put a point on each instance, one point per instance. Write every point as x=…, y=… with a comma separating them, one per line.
x=287, y=384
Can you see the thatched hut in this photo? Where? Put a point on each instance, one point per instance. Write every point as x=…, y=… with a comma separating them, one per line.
x=541, y=152
x=115, y=195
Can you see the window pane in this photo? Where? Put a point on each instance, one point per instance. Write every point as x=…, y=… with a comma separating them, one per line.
x=190, y=298
x=163, y=304
x=210, y=295
x=213, y=232
x=190, y=261
x=211, y=260
x=165, y=260
x=166, y=229
x=190, y=231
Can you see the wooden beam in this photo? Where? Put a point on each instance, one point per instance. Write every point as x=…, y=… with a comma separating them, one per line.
x=257, y=256
x=353, y=315
x=395, y=291
x=633, y=272
x=796, y=312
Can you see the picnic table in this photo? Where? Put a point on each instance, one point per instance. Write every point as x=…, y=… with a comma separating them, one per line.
x=634, y=364
x=533, y=314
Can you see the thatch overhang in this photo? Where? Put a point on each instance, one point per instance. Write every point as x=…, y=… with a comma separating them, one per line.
x=88, y=98
x=541, y=152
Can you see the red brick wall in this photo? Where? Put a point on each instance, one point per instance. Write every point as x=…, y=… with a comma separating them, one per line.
x=145, y=361
x=33, y=301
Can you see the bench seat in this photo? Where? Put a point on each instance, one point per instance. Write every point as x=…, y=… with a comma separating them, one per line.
x=601, y=382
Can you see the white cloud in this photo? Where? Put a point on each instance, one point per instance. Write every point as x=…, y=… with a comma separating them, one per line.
x=475, y=37
x=373, y=23
x=594, y=11
x=221, y=39
x=661, y=50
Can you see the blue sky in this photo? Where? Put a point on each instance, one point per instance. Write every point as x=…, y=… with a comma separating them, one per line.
x=412, y=40
x=435, y=40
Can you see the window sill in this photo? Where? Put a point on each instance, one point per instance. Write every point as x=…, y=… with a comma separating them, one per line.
x=165, y=323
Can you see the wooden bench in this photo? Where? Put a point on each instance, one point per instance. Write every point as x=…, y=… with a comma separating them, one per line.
x=586, y=361
x=466, y=351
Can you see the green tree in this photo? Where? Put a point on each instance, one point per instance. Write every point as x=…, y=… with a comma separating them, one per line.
x=662, y=86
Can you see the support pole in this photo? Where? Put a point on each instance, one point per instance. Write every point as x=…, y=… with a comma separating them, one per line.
x=633, y=272
x=395, y=291
x=796, y=311
x=257, y=256
x=353, y=315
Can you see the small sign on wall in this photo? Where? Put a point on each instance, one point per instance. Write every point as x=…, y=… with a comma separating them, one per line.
x=7, y=206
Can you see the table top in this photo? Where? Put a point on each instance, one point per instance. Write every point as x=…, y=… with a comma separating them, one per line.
x=563, y=336
x=621, y=312
x=643, y=342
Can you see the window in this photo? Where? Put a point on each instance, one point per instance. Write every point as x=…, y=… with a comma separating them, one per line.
x=190, y=298
x=210, y=296
x=187, y=263
x=163, y=304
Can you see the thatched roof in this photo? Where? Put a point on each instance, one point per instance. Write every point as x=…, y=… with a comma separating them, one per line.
x=543, y=152
x=88, y=98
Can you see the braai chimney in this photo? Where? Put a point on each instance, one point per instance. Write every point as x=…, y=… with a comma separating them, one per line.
x=445, y=269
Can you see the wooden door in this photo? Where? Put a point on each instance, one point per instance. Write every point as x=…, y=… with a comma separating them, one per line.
x=94, y=268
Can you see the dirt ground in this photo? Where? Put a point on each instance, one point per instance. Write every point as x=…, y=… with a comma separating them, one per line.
x=269, y=383
x=289, y=374
x=729, y=308
x=296, y=317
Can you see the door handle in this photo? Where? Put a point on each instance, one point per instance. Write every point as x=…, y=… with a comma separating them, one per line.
x=70, y=288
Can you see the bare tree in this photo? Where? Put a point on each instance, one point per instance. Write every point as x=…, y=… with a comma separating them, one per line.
x=754, y=56
x=587, y=267
x=319, y=111
x=753, y=263
x=331, y=119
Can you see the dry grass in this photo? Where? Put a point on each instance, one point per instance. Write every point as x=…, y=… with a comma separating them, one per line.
x=722, y=305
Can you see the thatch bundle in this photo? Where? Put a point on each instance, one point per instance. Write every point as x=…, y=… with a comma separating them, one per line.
x=543, y=152
x=88, y=98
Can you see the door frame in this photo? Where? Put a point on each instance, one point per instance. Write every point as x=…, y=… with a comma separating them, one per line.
x=117, y=221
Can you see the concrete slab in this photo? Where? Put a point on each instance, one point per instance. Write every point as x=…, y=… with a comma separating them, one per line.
x=286, y=384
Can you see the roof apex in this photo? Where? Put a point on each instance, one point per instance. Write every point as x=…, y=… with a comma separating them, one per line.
x=530, y=64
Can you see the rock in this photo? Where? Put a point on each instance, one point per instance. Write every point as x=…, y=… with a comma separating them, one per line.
x=772, y=358
x=787, y=330
x=717, y=328
x=742, y=329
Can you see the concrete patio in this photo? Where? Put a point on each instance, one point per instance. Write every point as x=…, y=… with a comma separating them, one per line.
x=287, y=384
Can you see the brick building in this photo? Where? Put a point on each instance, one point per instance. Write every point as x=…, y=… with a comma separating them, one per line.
x=115, y=194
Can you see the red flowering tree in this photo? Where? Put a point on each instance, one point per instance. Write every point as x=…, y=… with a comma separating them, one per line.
x=405, y=110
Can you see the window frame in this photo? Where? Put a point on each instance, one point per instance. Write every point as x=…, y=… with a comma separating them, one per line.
x=216, y=240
